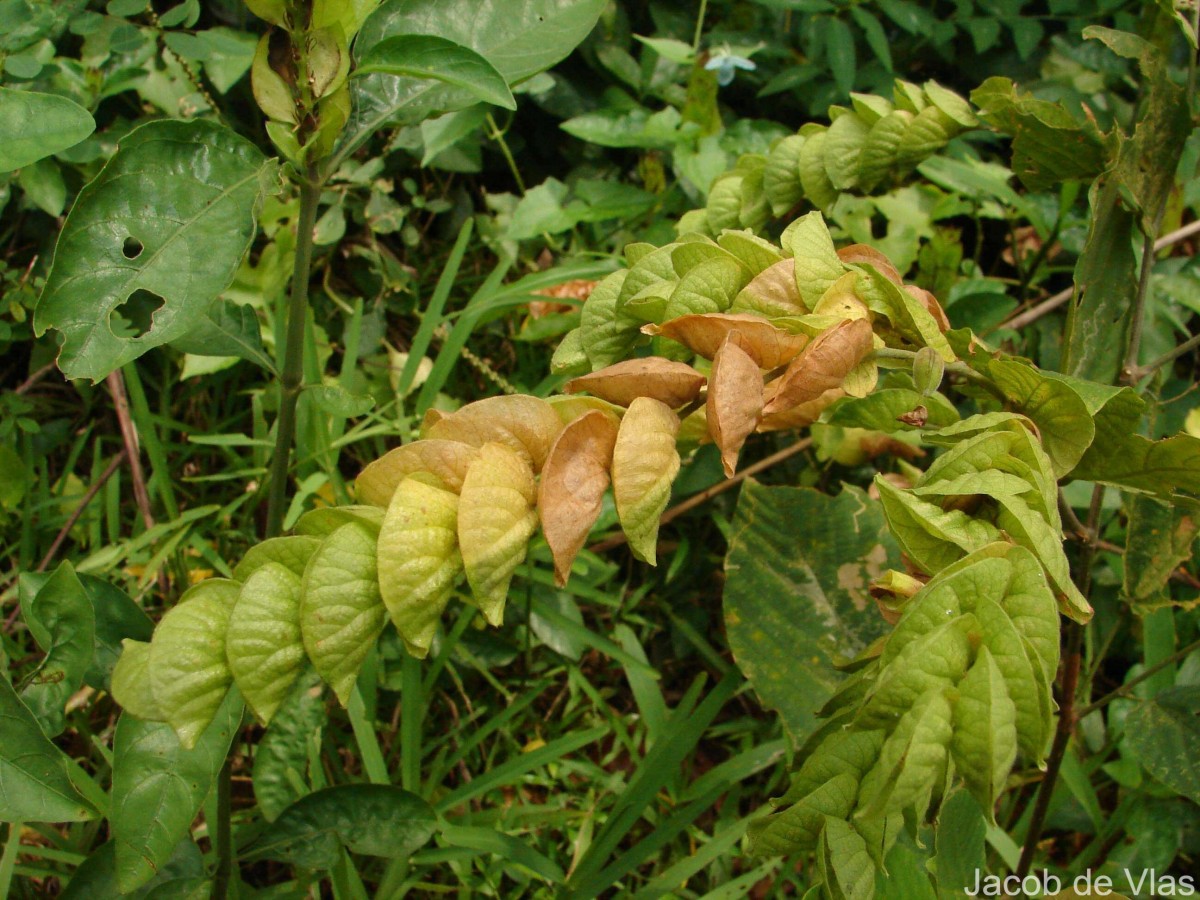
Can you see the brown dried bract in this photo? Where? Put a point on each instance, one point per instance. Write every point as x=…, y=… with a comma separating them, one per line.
x=930, y=302
x=801, y=415
x=860, y=254
x=821, y=366
x=704, y=333
x=573, y=483
x=670, y=382
x=735, y=399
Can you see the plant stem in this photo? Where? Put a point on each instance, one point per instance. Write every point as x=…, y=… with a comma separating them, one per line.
x=1134, y=682
x=1129, y=370
x=291, y=379
x=699, y=27
x=1170, y=356
x=498, y=136
x=224, y=835
x=1070, y=682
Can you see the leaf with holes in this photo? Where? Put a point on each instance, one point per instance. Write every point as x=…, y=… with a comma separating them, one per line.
x=151, y=242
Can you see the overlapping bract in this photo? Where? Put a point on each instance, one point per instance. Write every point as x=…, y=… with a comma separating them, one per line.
x=960, y=689
x=864, y=148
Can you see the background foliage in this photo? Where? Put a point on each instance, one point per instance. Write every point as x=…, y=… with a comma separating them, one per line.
x=467, y=173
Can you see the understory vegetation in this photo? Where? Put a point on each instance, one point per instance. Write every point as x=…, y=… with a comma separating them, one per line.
x=588, y=448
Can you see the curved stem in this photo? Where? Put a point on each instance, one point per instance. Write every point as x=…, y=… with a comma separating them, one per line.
x=1130, y=369
x=292, y=377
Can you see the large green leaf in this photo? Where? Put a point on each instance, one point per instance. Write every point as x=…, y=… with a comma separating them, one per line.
x=61, y=620
x=35, y=784
x=1063, y=419
x=158, y=787
x=1165, y=468
x=151, y=242
x=374, y=819
x=178, y=878
x=282, y=756
x=429, y=56
x=227, y=329
x=262, y=643
x=131, y=682
x=519, y=40
x=796, y=599
x=38, y=125
x=341, y=610
x=1159, y=537
x=1164, y=733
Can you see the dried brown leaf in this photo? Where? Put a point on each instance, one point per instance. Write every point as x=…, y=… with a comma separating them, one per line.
x=704, y=333
x=822, y=365
x=735, y=399
x=801, y=415
x=859, y=254
x=670, y=382
x=573, y=483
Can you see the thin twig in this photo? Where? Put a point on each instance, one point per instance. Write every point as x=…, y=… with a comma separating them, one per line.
x=33, y=379
x=1134, y=682
x=1034, y=313
x=1138, y=318
x=719, y=488
x=129, y=436
x=1170, y=356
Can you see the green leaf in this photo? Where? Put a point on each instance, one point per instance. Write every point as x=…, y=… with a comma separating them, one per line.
x=912, y=761
x=706, y=288
x=1166, y=468
x=131, y=682
x=189, y=673
x=1164, y=734
x=934, y=661
x=843, y=144
x=292, y=552
x=847, y=867
x=282, y=756
x=226, y=329
x=816, y=260
x=178, y=877
x=959, y=842
x=1158, y=538
x=814, y=177
x=607, y=333
x=984, y=745
x=932, y=537
x=419, y=560
x=1063, y=419
x=324, y=521
x=781, y=177
x=262, y=641
x=341, y=610
x=881, y=410
x=37, y=125
x=372, y=819
x=117, y=618
x=843, y=63
x=428, y=56
x=35, y=773
x=797, y=575
x=60, y=618
x=151, y=242
x=159, y=786
x=518, y=41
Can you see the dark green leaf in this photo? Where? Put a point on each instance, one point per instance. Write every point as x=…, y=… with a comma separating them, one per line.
x=96, y=876
x=281, y=758
x=796, y=598
x=1158, y=538
x=35, y=774
x=38, y=125
x=151, y=242
x=843, y=62
x=373, y=819
x=226, y=329
x=1164, y=734
x=158, y=788
x=428, y=56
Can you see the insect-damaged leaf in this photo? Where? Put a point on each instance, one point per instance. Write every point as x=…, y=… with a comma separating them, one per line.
x=448, y=460
x=527, y=424
x=418, y=559
x=189, y=673
x=645, y=463
x=735, y=399
x=151, y=242
x=703, y=334
x=670, y=382
x=572, y=486
x=341, y=610
x=821, y=366
x=496, y=518
x=263, y=642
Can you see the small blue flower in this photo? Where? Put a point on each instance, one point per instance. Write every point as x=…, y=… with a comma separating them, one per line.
x=726, y=65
